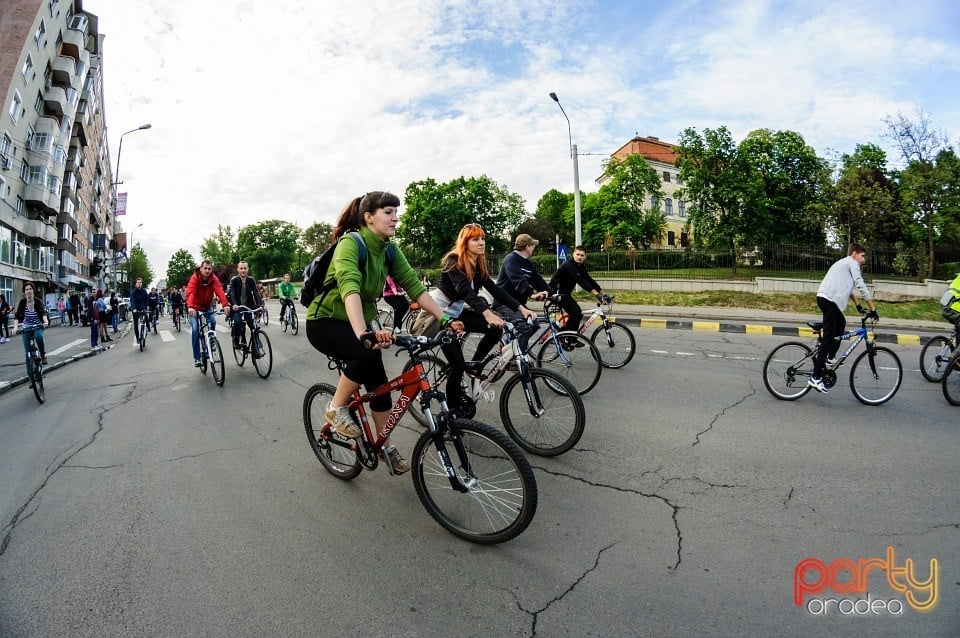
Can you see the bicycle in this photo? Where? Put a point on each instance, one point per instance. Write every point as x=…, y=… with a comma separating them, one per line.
x=540, y=409
x=288, y=317
x=177, y=319
x=259, y=349
x=143, y=327
x=264, y=317
x=385, y=317
x=154, y=318
x=471, y=478
x=787, y=368
x=936, y=353
x=614, y=341
x=210, y=350
x=950, y=381
x=566, y=351
x=34, y=364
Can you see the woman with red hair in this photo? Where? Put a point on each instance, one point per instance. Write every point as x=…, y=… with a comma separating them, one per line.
x=463, y=272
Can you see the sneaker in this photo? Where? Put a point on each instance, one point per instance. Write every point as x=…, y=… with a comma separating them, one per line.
x=400, y=464
x=196, y=363
x=817, y=384
x=342, y=421
x=831, y=361
x=43, y=359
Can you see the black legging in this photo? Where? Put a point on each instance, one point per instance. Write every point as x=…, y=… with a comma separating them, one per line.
x=834, y=323
x=335, y=338
x=400, y=307
x=473, y=321
x=4, y=327
x=573, y=310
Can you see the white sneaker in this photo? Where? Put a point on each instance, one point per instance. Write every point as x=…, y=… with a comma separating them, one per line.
x=831, y=361
x=817, y=384
x=342, y=421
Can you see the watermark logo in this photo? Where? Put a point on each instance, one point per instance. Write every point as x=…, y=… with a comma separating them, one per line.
x=845, y=576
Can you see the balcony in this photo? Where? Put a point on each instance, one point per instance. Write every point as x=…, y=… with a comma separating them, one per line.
x=67, y=245
x=38, y=195
x=74, y=160
x=73, y=43
x=69, y=188
x=69, y=220
x=55, y=101
x=63, y=67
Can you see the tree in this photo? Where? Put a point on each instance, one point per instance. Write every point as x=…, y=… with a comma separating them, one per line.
x=137, y=265
x=220, y=248
x=622, y=202
x=922, y=184
x=316, y=237
x=180, y=267
x=555, y=215
x=269, y=247
x=434, y=214
x=866, y=206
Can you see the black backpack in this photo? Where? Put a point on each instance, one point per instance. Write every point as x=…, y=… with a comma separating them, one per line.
x=316, y=271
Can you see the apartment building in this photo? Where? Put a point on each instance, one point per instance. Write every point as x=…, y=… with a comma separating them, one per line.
x=55, y=173
x=662, y=157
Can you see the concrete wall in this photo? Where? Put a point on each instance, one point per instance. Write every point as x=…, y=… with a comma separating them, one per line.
x=883, y=290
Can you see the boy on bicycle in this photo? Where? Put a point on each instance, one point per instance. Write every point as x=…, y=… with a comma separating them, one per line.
x=199, y=294
x=286, y=291
x=242, y=291
x=832, y=296
x=569, y=275
x=139, y=300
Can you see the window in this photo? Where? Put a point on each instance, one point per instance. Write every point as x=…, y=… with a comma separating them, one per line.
x=41, y=30
x=16, y=106
x=679, y=181
x=6, y=238
x=53, y=184
x=24, y=172
x=19, y=249
x=684, y=240
x=668, y=206
x=654, y=201
x=3, y=188
x=681, y=208
x=5, y=145
x=79, y=22
x=19, y=205
x=38, y=103
x=666, y=176
x=52, y=4
x=41, y=142
x=671, y=238
x=27, y=69
x=59, y=155
x=37, y=175
x=30, y=132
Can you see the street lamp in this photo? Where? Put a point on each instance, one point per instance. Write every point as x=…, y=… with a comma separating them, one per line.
x=116, y=183
x=576, y=173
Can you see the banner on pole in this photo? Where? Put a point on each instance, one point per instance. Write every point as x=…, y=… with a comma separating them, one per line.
x=121, y=204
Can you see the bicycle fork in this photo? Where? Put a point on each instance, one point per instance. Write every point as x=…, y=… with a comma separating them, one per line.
x=437, y=431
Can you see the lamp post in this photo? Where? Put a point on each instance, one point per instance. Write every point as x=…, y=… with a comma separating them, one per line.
x=116, y=184
x=576, y=173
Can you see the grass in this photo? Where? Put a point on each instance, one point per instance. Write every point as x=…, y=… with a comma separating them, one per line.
x=924, y=309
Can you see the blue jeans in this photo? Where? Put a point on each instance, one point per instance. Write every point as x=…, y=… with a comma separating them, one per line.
x=38, y=337
x=115, y=320
x=195, y=330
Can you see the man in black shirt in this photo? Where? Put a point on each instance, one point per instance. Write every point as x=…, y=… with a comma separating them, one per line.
x=570, y=274
x=519, y=278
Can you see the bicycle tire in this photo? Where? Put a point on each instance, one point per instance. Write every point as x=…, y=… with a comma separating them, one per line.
x=239, y=354
x=265, y=316
x=616, y=344
x=580, y=365
x=35, y=375
x=294, y=322
x=561, y=416
x=284, y=322
x=502, y=491
x=385, y=318
x=934, y=356
x=339, y=460
x=262, y=363
x=216, y=362
x=876, y=389
x=409, y=319
x=786, y=370
x=142, y=336
x=435, y=367
x=204, y=356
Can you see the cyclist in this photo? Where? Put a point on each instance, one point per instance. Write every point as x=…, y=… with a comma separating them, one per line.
x=463, y=273
x=138, y=304
x=153, y=303
x=394, y=295
x=176, y=303
x=336, y=320
x=832, y=296
x=570, y=274
x=200, y=291
x=31, y=314
x=287, y=292
x=242, y=291
x=519, y=279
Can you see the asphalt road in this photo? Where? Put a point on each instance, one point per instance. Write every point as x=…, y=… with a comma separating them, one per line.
x=142, y=500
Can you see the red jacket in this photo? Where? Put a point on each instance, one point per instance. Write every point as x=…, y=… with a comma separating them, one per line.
x=200, y=293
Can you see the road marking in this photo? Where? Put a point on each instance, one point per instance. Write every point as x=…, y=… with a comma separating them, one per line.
x=166, y=336
x=63, y=349
x=659, y=352
x=687, y=354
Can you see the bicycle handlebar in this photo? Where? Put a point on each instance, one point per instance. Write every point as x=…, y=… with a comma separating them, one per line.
x=411, y=342
x=249, y=309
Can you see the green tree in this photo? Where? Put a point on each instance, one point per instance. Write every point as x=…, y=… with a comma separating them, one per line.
x=316, y=237
x=555, y=211
x=137, y=265
x=623, y=212
x=866, y=201
x=180, y=267
x=269, y=247
x=434, y=213
x=220, y=248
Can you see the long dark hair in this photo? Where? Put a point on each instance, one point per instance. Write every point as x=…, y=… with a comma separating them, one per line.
x=351, y=218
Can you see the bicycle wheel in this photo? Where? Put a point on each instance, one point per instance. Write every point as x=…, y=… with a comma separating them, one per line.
x=434, y=366
x=142, y=336
x=284, y=322
x=409, y=319
x=615, y=343
x=239, y=354
x=35, y=374
x=501, y=496
x=874, y=380
x=177, y=321
x=262, y=353
x=333, y=450
x=294, y=322
x=786, y=370
x=546, y=417
x=385, y=318
x=204, y=355
x=573, y=357
x=265, y=316
x=216, y=362
x=934, y=357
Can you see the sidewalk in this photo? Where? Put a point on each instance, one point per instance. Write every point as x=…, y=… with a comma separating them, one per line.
x=66, y=345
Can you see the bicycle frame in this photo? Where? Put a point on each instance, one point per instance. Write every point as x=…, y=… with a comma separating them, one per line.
x=207, y=329
x=858, y=335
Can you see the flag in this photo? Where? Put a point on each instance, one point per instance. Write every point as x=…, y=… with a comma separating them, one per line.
x=121, y=204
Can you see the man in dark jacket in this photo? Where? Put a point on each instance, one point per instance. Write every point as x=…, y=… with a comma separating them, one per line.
x=519, y=278
x=74, y=309
x=570, y=274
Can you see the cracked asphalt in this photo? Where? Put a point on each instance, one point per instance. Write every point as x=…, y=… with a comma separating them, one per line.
x=143, y=500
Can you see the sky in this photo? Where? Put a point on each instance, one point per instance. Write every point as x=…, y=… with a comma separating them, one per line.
x=288, y=109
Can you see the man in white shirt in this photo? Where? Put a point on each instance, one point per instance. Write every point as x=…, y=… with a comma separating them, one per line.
x=832, y=296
